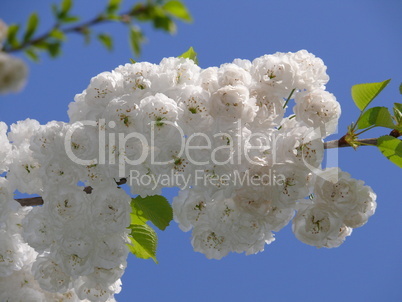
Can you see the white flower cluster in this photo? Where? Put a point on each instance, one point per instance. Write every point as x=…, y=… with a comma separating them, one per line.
x=73, y=248
x=221, y=134
x=13, y=71
x=17, y=283
x=340, y=204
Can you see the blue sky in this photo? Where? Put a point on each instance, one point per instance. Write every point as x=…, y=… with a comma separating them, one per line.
x=358, y=40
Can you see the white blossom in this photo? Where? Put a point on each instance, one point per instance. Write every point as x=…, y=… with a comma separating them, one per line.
x=348, y=197
x=224, y=135
x=318, y=108
x=50, y=275
x=13, y=73
x=3, y=32
x=5, y=149
x=317, y=225
x=233, y=103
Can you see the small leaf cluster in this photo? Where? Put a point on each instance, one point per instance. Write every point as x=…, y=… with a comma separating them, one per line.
x=144, y=239
x=161, y=13
x=369, y=118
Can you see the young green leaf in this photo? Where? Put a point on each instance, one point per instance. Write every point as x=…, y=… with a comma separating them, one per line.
x=57, y=34
x=391, y=147
x=400, y=88
x=398, y=113
x=106, y=40
x=31, y=54
x=32, y=25
x=136, y=38
x=376, y=116
x=177, y=9
x=190, y=54
x=113, y=6
x=154, y=208
x=144, y=241
x=43, y=45
x=65, y=7
x=132, y=61
x=364, y=94
x=54, y=49
x=12, y=35
x=143, y=12
x=165, y=23
x=70, y=19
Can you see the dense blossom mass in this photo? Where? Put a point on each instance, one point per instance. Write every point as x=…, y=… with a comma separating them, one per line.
x=246, y=167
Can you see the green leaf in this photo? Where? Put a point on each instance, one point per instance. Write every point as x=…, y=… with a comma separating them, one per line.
x=135, y=38
x=54, y=49
x=144, y=241
x=113, y=6
x=65, y=7
x=154, y=208
x=165, y=23
x=31, y=54
x=178, y=10
x=69, y=19
x=391, y=147
x=400, y=88
x=190, y=54
x=364, y=94
x=32, y=25
x=106, y=40
x=398, y=113
x=142, y=13
x=12, y=35
x=57, y=34
x=137, y=215
x=132, y=61
x=376, y=116
x=41, y=45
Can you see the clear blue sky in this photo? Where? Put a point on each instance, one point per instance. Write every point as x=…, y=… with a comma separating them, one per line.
x=359, y=40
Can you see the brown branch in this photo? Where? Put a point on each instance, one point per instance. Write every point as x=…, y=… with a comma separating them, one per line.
x=31, y=201
x=38, y=201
